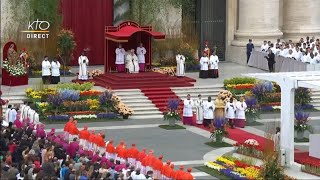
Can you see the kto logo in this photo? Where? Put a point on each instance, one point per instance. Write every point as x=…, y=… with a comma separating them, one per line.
x=37, y=29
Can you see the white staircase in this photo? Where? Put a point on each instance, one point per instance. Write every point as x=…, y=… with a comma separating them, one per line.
x=143, y=108
x=315, y=99
x=205, y=91
x=16, y=98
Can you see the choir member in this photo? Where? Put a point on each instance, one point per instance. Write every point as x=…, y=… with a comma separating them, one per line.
x=55, y=71
x=141, y=51
x=204, y=63
x=120, y=55
x=241, y=107
x=187, y=110
x=209, y=108
x=213, y=66
x=230, y=109
x=46, y=70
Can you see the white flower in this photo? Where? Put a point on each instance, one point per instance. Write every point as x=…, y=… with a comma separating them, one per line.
x=252, y=142
x=85, y=116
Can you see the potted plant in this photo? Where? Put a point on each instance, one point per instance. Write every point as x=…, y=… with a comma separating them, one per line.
x=301, y=124
x=124, y=110
x=252, y=111
x=218, y=130
x=172, y=114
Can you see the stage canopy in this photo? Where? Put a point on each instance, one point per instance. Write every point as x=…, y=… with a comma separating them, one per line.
x=130, y=35
x=288, y=82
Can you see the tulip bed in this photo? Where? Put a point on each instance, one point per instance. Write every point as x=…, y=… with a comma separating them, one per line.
x=234, y=168
x=77, y=100
x=267, y=94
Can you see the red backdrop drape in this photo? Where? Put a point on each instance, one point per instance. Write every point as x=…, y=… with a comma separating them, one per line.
x=87, y=19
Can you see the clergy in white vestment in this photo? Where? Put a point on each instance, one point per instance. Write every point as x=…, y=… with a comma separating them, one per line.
x=230, y=109
x=120, y=59
x=55, y=71
x=12, y=115
x=204, y=63
x=282, y=52
x=180, y=65
x=132, y=62
x=83, y=63
x=7, y=113
x=141, y=51
x=46, y=65
x=264, y=46
x=208, y=111
x=187, y=110
x=199, y=110
x=241, y=107
x=313, y=59
x=213, y=66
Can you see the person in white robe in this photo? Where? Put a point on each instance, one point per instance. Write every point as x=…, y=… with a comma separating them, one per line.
x=7, y=113
x=264, y=46
x=276, y=140
x=83, y=63
x=187, y=110
x=141, y=52
x=213, y=66
x=282, y=52
x=230, y=109
x=313, y=59
x=208, y=108
x=55, y=71
x=46, y=65
x=180, y=65
x=132, y=62
x=290, y=55
x=13, y=115
x=241, y=107
x=199, y=110
x=204, y=63
x=120, y=59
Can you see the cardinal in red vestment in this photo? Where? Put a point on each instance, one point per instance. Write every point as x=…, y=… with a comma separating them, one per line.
x=133, y=154
x=140, y=158
x=110, y=149
x=84, y=136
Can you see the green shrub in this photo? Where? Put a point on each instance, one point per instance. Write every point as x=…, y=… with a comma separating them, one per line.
x=76, y=86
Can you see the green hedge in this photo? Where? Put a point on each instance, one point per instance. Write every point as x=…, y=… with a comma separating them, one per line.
x=239, y=80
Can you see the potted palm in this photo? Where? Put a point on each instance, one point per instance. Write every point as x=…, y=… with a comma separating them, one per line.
x=301, y=124
x=172, y=115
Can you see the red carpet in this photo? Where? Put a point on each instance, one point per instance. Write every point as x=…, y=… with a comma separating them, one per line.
x=304, y=158
x=160, y=97
x=140, y=80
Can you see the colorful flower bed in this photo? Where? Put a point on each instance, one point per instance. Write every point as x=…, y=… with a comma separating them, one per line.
x=78, y=100
x=250, y=147
x=268, y=94
x=234, y=168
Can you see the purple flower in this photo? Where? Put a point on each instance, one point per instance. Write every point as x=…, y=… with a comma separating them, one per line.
x=58, y=118
x=268, y=86
x=258, y=89
x=102, y=99
x=106, y=115
x=55, y=100
x=69, y=94
x=173, y=104
x=251, y=102
x=266, y=108
x=301, y=117
x=219, y=123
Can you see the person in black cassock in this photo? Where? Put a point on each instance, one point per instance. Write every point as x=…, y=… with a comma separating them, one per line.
x=270, y=59
x=250, y=48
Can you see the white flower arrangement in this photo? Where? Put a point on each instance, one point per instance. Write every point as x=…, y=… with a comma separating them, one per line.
x=85, y=116
x=17, y=70
x=276, y=107
x=214, y=166
x=252, y=142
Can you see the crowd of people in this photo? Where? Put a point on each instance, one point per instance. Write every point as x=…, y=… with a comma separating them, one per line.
x=234, y=111
x=31, y=153
x=306, y=50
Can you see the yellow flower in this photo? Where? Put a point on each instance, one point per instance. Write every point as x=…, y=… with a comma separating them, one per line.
x=226, y=161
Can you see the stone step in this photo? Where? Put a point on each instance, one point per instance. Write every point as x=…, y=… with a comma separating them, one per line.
x=126, y=101
x=147, y=108
x=148, y=112
x=126, y=90
x=215, y=90
x=138, y=104
x=199, y=87
x=195, y=95
x=133, y=97
x=129, y=94
x=146, y=117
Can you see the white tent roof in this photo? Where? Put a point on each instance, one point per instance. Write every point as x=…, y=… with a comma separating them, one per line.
x=306, y=79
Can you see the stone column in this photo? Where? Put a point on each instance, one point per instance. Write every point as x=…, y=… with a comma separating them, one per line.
x=301, y=18
x=258, y=20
